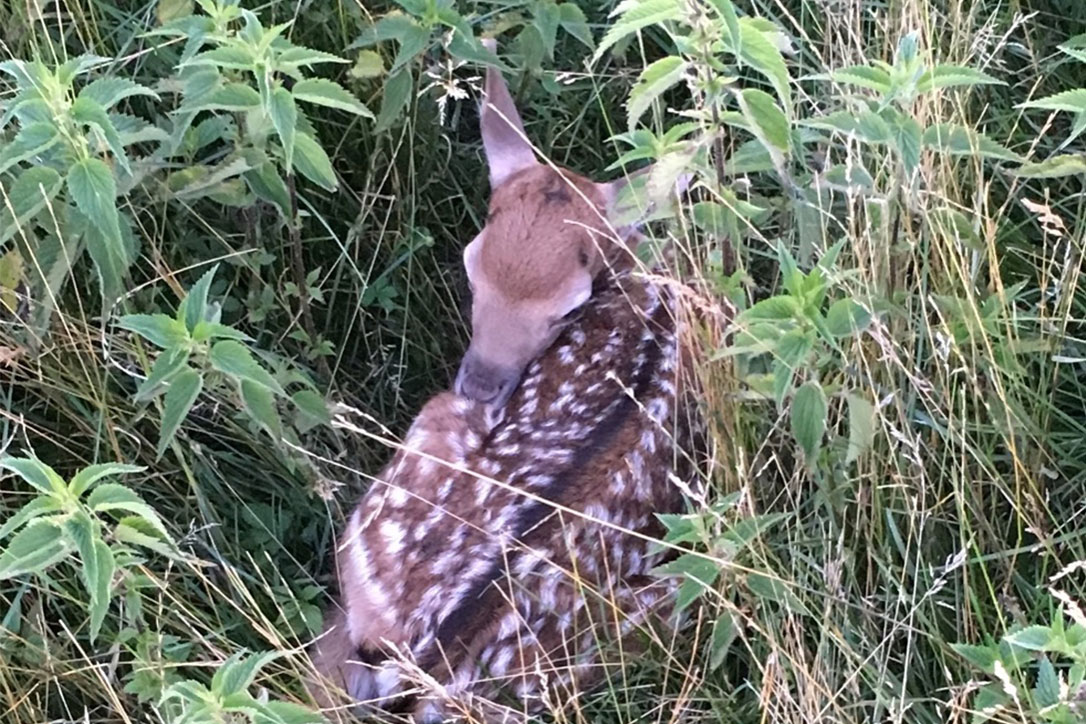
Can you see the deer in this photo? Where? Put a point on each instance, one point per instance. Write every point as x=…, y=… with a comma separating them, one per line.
x=510, y=539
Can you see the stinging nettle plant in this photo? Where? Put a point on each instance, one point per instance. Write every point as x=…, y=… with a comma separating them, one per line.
x=76, y=517
x=198, y=349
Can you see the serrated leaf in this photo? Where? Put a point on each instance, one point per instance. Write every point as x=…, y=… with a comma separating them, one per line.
x=114, y=496
x=287, y=712
x=907, y=138
x=958, y=140
x=180, y=396
x=846, y=317
x=159, y=329
x=982, y=657
x=809, y=418
x=299, y=55
x=230, y=97
x=635, y=15
x=284, y=116
x=697, y=572
x=311, y=161
x=774, y=308
x=110, y=90
x=133, y=130
x=88, y=476
x=91, y=186
x=31, y=140
x=96, y=569
x=33, y=549
x=323, y=92
x=94, y=116
x=168, y=364
x=774, y=589
x=654, y=80
x=546, y=20
x=768, y=122
x=238, y=672
x=948, y=76
x=397, y=97
x=266, y=183
x=32, y=189
x=725, y=630
x=866, y=126
x=1073, y=101
x=574, y=22
x=213, y=330
x=763, y=55
x=194, y=307
x=234, y=57
x=1047, y=691
x=312, y=406
x=234, y=359
x=726, y=10
x=414, y=39
x=260, y=403
x=864, y=76
x=1031, y=638
x=36, y=473
x=1055, y=167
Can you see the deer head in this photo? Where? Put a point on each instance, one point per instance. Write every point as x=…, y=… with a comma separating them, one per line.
x=531, y=268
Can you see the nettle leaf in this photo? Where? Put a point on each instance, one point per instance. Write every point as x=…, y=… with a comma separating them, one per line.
x=864, y=76
x=39, y=506
x=88, y=476
x=1055, y=167
x=768, y=122
x=726, y=10
x=31, y=140
x=32, y=189
x=194, y=307
x=948, y=76
x=771, y=588
x=284, y=115
x=110, y=90
x=91, y=186
x=238, y=673
x=234, y=57
x=323, y=92
x=762, y=54
x=234, y=359
x=982, y=657
x=809, y=412
x=958, y=140
x=414, y=39
x=266, y=183
x=133, y=130
x=574, y=22
x=299, y=55
x=33, y=549
x=725, y=629
x=866, y=126
x=1031, y=638
x=697, y=572
x=159, y=329
x=230, y=97
x=1073, y=101
x=312, y=408
x=109, y=497
x=635, y=15
x=39, y=475
x=287, y=712
x=396, y=98
x=94, y=116
x=546, y=22
x=847, y=317
x=311, y=161
x=260, y=404
x=180, y=396
x=168, y=364
x=654, y=80
x=214, y=330
x=907, y=138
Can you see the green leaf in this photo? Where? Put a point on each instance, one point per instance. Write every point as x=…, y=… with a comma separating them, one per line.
x=260, y=403
x=947, y=76
x=697, y=572
x=369, y=64
x=286, y=712
x=95, y=117
x=397, y=98
x=299, y=55
x=846, y=317
x=312, y=406
x=1073, y=101
x=91, y=185
x=772, y=309
x=1055, y=167
x=866, y=126
x=809, y=418
x=180, y=397
x=635, y=15
x=39, y=475
x=88, y=476
x=39, y=506
x=234, y=57
x=32, y=189
x=114, y=496
x=546, y=21
x=159, y=329
x=1047, y=691
x=234, y=359
x=237, y=673
x=907, y=137
x=231, y=97
x=724, y=632
x=328, y=93
x=311, y=161
x=774, y=589
x=726, y=10
x=1031, y=638
x=33, y=549
x=958, y=140
x=110, y=90
x=96, y=566
x=861, y=427
x=32, y=140
x=194, y=308
x=574, y=22
x=213, y=330
x=266, y=183
x=864, y=76
x=768, y=122
x=284, y=115
x=982, y=657
x=168, y=364
x=414, y=39
x=794, y=347
x=760, y=53
x=654, y=80
x=131, y=129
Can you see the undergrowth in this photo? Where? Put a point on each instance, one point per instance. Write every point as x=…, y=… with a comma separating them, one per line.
x=220, y=224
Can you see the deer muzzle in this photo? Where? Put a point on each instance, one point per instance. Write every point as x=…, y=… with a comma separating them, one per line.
x=486, y=383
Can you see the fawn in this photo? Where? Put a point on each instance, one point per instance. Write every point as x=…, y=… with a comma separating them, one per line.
x=481, y=572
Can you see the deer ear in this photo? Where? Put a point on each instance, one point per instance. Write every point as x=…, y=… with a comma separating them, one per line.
x=507, y=148
x=634, y=199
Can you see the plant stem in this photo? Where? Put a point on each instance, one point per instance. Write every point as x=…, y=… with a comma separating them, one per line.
x=297, y=266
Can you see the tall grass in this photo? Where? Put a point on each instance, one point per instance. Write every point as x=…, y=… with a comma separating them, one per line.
x=947, y=528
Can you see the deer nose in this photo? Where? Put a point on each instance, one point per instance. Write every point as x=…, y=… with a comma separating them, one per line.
x=484, y=383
